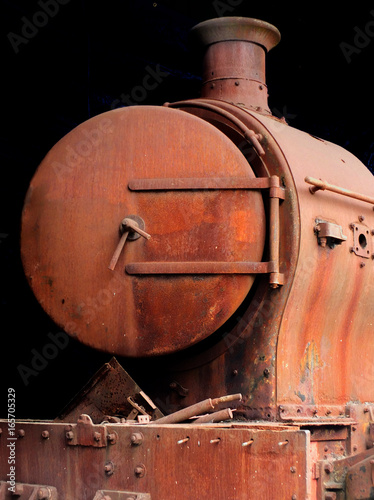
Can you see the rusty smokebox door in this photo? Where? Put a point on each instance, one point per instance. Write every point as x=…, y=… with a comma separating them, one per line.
x=73, y=223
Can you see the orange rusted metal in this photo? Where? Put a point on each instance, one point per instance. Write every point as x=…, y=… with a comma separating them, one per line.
x=247, y=281
x=80, y=206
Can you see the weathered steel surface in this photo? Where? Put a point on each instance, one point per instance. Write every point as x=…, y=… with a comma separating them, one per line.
x=234, y=59
x=232, y=462
x=325, y=349
x=74, y=207
x=108, y=395
x=243, y=356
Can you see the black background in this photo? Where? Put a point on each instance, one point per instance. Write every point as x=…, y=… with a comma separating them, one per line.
x=82, y=60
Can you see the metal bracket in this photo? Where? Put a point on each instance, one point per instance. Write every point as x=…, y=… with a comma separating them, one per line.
x=276, y=194
x=86, y=433
x=362, y=246
x=27, y=491
x=329, y=233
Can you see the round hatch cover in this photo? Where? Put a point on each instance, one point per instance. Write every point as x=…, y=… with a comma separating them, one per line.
x=162, y=170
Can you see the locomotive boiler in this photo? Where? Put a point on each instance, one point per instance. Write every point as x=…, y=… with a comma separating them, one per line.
x=227, y=258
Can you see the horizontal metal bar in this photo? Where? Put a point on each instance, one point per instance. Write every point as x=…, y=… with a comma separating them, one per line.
x=200, y=267
x=203, y=183
x=318, y=184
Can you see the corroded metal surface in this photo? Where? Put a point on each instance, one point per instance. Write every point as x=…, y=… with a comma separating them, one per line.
x=71, y=225
x=234, y=59
x=234, y=462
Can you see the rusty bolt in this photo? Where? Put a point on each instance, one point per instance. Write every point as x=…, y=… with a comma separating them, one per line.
x=43, y=494
x=326, y=448
x=237, y=83
x=97, y=436
x=69, y=435
x=136, y=438
x=355, y=447
x=21, y=433
x=266, y=372
x=45, y=434
x=361, y=218
x=112, y=438
x=139, y=470
x=328, y=468
x=109, y=468
x=293, y=469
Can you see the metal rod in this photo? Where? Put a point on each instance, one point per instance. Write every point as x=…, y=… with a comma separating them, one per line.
x=218, y=416
x=200, y=267
x=203, y=183
x=181, y=441
x=248, y=443
x=186, y=413
x=118, y=251
x=325, y=186
x=197, y=409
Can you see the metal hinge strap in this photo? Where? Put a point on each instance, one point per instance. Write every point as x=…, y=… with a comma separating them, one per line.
x=213, y=183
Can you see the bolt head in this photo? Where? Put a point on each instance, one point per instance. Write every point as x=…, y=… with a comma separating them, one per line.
x=69, y=435
x=136, y=438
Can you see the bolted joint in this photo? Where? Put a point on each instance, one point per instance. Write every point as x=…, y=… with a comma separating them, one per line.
x=136, y=438
x=328, y=468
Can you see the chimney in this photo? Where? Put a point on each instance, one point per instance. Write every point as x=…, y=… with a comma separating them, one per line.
x=234, y=60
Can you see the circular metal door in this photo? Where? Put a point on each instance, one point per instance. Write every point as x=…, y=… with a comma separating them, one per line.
x=152, y=170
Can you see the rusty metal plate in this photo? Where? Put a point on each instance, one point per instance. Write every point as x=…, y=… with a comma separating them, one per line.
x=232, y=462
x=73, y=212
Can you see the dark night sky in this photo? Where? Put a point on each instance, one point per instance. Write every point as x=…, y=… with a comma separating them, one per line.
x=83, y=58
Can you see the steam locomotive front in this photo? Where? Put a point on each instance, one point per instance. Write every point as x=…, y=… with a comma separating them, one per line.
x=229, y=249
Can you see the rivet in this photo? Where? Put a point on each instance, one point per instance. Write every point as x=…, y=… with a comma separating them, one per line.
x=362, y=264
x=237, y=83
x=21, y=433
x=355, y=447
x=266, y=372
x=45, y=434
x=293, y=470
x=97, y=436
x=361, y=218
x=234, y=373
